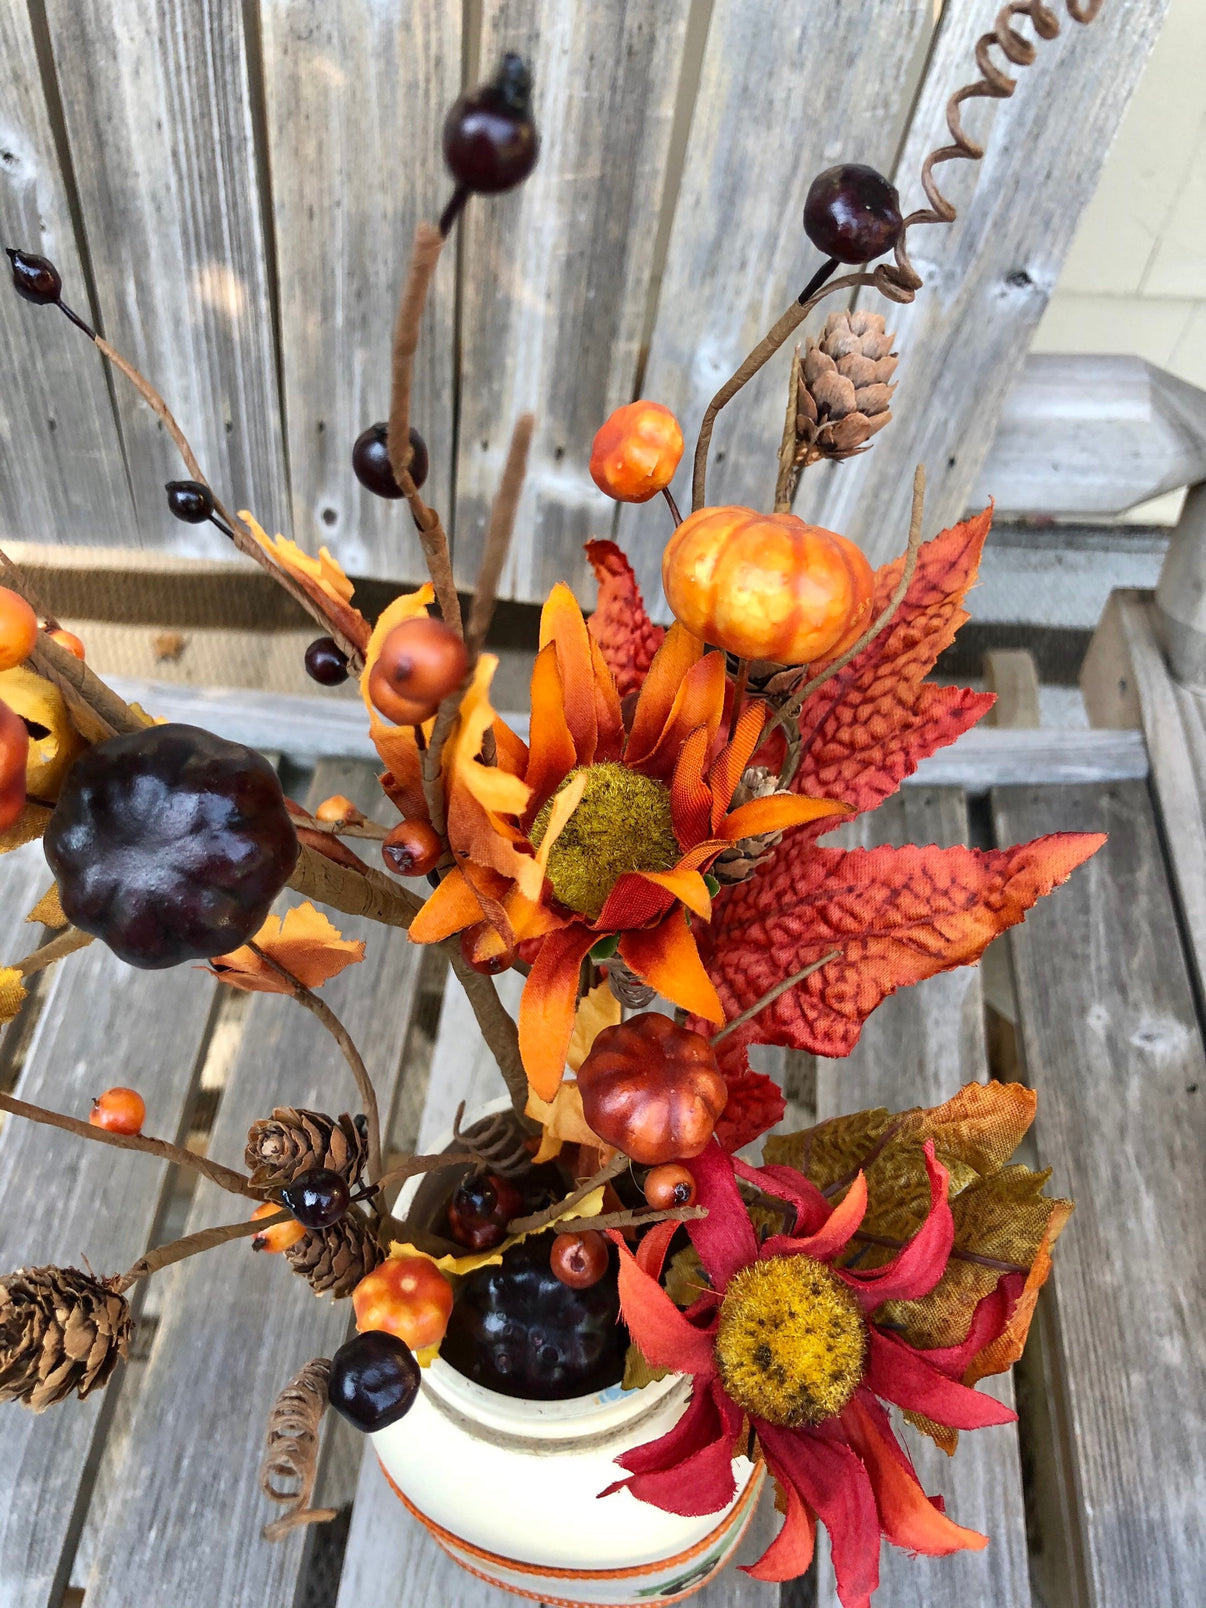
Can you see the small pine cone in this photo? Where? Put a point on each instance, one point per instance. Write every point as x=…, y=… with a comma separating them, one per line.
x=335, y=1259
x=60, y=1331
x=292, y=1141
x=628, y=987
x=844, y=388
x=739, y=862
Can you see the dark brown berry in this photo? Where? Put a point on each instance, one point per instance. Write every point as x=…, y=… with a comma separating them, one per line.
x=580, y=1260
x=317, y=1198
x=490, y=140
x=480, y=1209
x=35, y=278
x=374, y=1380
x=371, y=465
x=852, y=213
x=411, y=849
x=326, y=663
x=190, y=501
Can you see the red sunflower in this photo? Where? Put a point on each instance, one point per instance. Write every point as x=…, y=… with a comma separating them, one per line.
x=785, y=1342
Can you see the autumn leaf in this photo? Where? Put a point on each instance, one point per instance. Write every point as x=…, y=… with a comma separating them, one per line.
x=755, y=1102
x=30, y=824
x=320, y=578
x=305, y=943
x=48, y=912
x=627, y=637
x=12, y=992
x=53, y=740
x=870, y=726
x=896, y=915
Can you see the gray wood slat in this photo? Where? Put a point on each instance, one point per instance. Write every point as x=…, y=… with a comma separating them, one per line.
x=920, y=1047
x=784, y=92
x=355, y=99
x=990, y=274
x=61, y=471
x=158, y=107
x=1112, y=1044
x=24, y=878
x=557, y=273
x=63, y=1200
x=384, y=1542
x=183, y=1521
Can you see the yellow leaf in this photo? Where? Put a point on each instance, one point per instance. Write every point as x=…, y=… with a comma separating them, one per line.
x=590, y=1206
x=599, y=1009
x=30, y=824
x=49, y=910
x=638, y=1370
x=12, y=992
x=323, y=571
x=562, y=1121
x=42, y=708
x=305, y=943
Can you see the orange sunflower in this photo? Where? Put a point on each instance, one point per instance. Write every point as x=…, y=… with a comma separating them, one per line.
x=600, y=827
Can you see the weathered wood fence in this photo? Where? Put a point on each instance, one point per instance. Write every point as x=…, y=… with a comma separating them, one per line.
x=230, y=186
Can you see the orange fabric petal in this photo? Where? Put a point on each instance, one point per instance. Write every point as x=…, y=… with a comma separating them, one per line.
x=776, y=814
x=564, y=804
x=548, y=1006
x=511, y=748
x=700, y=702
x=529, y=918
x=666, y=958
x=731, y=763
x=551, y=751
x=690, y=797
x=907, y=1516
x=671, y=663
x=493, y=788
x=451, y=907
x=562, y=624
x=608, y=715
x=687, y=886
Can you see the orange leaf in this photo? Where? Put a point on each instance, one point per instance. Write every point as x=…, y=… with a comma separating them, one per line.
x=561, y=623
x=667, y=959
x=304, y=943
x=660, y=691
x=452, y=906
x=320, y=578
x=626, y=635
x=551, y=751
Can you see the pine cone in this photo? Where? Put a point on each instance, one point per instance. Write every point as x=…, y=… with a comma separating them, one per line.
x=60, y=1331
x=335, y=1259
x=739, y=862
x=292, y=1141
x=844, y=392
x=628, y=987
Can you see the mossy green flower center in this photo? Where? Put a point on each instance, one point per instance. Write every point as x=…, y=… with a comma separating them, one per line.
x=791, y=1345
x=623, y=823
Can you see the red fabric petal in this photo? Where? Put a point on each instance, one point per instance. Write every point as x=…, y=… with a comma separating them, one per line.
x=664, y=1335
x=834, y=1483
x=634, y=901
x=698, y=1427
x=908, y=1517
x=832, y=1236
x=703, y=1481
x=988, y=1321
x=651, y=1252
x=898, y=1373
x=812, y=1209
x=790, y=1553
x=724, y=1238
x=913, y=1271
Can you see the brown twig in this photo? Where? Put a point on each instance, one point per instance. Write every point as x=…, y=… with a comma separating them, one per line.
x=790, y=712
x=772, y=995
x=291, y=1449
x=788, y=477
x=498, y=535
x=539, y=1220
x=225, y=1177
x=205, y=1239
x=415, y=1166
x=63, y=943
x=641, y=1217
x=498, y=1026
x=955, y=1253
x=319, y=1008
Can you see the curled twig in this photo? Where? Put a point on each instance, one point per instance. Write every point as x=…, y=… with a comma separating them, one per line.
x=291, y=1449
x=497, y=1141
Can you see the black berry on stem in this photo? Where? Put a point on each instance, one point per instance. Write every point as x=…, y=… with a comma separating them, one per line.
x=852, y=213
x=190, y=501
x=317, y=1198
x=370, y=461
x=374, y=1380
x=326, y=663
x=37, y=280
x=490, y=138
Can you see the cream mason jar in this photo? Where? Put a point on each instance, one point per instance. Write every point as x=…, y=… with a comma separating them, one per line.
x=510, y=1489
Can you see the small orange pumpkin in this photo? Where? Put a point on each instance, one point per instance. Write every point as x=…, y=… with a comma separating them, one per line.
x=767, y=586
x=652, y=1089
x=636, y=452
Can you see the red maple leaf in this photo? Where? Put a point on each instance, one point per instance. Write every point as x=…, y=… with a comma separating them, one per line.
x=895, y=915
x=755, y=1101
x=875, y=721
x=627, y=637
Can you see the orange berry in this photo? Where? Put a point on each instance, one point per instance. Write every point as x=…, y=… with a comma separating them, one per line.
x=68, y=640
x=119, y=1111
x=411, y=849
x=668, y=1186
x=407, y=1296
x=338, y=808
x=420, y=663
x=483, y=948
x=14, y=756
x=281, y=1235
x=766, y=586
x=635, y=453
x=18, y=629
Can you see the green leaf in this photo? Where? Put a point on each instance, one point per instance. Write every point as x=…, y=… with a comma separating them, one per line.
x=606, y=947
x=638, y=1372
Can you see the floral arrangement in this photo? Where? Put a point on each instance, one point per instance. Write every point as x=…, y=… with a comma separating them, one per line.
x=656, y=834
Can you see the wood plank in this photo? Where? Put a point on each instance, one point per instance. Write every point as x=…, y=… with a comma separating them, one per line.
x=63, y=1200
x=990, y=274
x=355, y=99
x=1011, y=674
x=557, y=273
x=158, y=106
x=918, y=1048
x=233, y=1329
x=1181, y=591
x=61, y=471
x=784, y=92
x=1116, y=1054
x=24, y=878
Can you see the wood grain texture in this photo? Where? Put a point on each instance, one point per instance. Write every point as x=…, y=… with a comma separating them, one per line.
x=557, y=274
x=61, y=471
x=989, y=275
x=158, y=107
x=355, y=98
x=24, y=878
x=1181, y=592
x=235, y=1329
x=784, y=92
x=1116, y=1054
x=919, y=1048
x=63, y=1200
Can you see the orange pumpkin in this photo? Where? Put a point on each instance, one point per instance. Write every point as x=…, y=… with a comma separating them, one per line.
x=636, y=452
x=652, y=1089
x=767, y=586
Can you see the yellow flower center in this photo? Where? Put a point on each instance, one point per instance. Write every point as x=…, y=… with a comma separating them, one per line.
x=622, y=824
x=792, y=1344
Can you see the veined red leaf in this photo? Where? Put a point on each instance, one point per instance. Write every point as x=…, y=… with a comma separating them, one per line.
x=627, y=637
